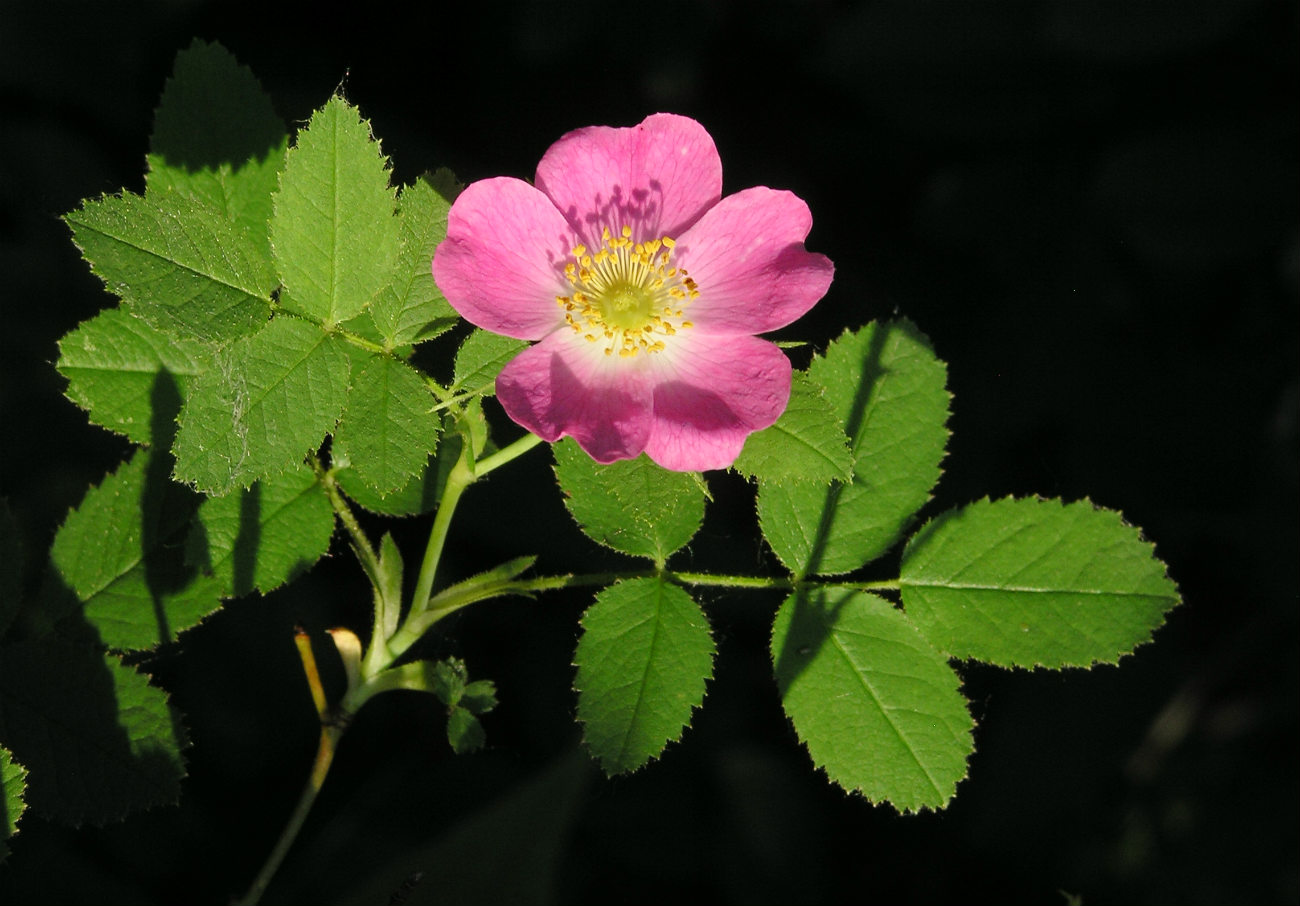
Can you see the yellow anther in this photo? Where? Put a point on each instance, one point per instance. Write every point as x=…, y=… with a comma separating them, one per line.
x=628, y=296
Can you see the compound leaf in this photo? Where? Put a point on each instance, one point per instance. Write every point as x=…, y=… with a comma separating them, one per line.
x=129, y=376
x=480, y=359
x=217, y=140
x=388, y=427
x=633, y=506
x=887, y=389
x=879, y=709
x=411, y=308
x=265, y=403
x=180, y=263
x=644, y=658
x=121, y=551
x=807, y=443
x=1034, y=583
x=263, y=536
x=333, y=234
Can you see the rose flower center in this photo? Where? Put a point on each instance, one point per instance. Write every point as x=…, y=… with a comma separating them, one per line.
x=627, y=295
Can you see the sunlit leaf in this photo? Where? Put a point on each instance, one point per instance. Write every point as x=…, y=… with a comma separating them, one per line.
x=264, y=404
x=388, y=425
x=263, y=536
x=333, y=234
x=807, y=443
x=643, y=660
x=1034, y=583
x=879, y=709
x=887, y=389
x=121, y=551
x=129, y=377
x=633, y=506
x=216, y=139
x=182, y=264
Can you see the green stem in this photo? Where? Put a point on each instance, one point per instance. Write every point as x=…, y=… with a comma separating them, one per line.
x=463, y=474
x=360, y=543
x=505, y=455
x=460, y=478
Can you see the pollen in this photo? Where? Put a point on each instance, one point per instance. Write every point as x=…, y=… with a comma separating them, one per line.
x=627, y=295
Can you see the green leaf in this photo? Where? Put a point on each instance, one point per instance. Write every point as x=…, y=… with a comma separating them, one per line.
x=217, y=140
x=11, y=566
x=333, y=234
x=464, y=731
x=128, y=376
x=1034, y=582
x=807, y=443
x=388, y=591
x=98, y=739
x=13, y=781
x=479, y=696
x=263, y=536
x=419, y=495
x=633, y=506
x=887, y=389
x=181, y=264
x=480, y=360
x=265, y=403
x=644, y=658
x=492, y=583
x=880, y=711
x=122, y=552
x=411, y=308
x=388, y=425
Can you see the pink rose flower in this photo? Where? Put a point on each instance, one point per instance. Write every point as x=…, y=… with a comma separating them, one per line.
x=643, y=288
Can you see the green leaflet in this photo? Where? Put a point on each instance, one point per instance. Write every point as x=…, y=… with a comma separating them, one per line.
x=807, y=443
x=880, y=711
x=264, y=404
x=644, y=658
x=333, y=234
x=183, y=266
x=388, y=588
x=887, y=389
x=13, y=783
x=217, y=140
x=411, y=308
x=101, y=741
x=264, y=536
x=128, y=376
x=480, y=359
x=1034, y=582
x=121, y=552
x=388, y=426
x=633, y=506
x=419, y=495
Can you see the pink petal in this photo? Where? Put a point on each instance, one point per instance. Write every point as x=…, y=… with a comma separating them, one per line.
x=747, y=256
x=501, y=265
x=658, y=177
x=711, y=393
x=564, y=386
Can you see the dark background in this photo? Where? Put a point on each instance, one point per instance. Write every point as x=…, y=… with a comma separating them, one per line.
x=1090, y=208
